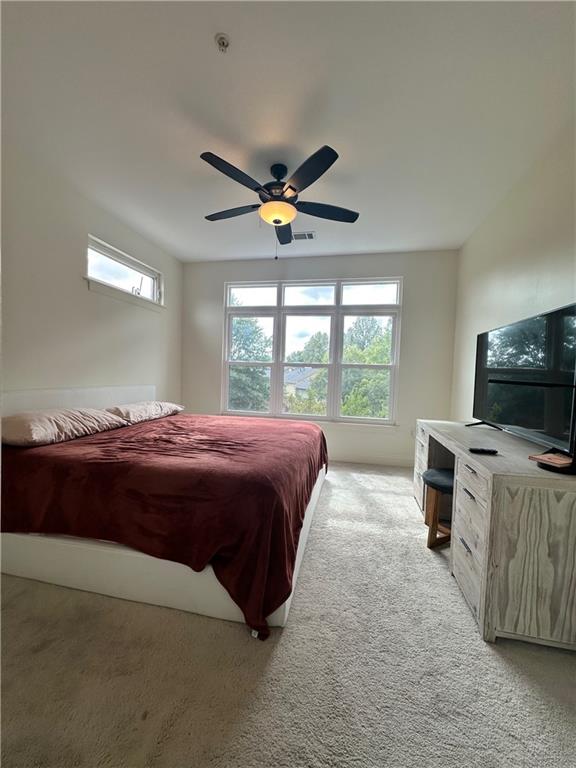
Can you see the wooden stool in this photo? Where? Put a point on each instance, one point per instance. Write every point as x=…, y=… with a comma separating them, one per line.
x=437, y=482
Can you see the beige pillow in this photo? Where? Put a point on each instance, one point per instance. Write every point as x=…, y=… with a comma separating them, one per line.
x=145, y=411
x=56, y=425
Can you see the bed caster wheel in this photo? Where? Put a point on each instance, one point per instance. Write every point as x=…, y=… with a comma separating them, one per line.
x=254, y=634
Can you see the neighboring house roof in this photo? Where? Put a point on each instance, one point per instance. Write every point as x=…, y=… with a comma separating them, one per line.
x=300, y=378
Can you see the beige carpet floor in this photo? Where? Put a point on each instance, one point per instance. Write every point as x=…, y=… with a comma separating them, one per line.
x=380, y=665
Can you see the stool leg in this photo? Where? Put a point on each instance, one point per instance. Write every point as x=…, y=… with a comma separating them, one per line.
x=432, y=512
x=433, y=502
x=428, y=503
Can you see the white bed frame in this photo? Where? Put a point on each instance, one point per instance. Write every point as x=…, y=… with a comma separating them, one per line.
x=112, y=569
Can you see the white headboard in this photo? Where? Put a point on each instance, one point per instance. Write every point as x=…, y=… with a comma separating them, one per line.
x=14, y=401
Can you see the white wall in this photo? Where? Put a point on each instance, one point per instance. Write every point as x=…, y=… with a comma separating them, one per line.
x=426, y=344
x=520, y=261
x=56, y=332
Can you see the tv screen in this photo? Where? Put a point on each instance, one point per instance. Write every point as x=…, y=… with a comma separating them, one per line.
x=526, y=377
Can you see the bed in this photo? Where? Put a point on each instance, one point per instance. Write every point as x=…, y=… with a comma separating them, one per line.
x=204, y=514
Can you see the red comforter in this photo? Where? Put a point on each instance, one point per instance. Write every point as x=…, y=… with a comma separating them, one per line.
x=225, y=490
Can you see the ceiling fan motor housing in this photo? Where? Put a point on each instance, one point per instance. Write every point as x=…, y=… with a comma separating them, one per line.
x=278, y=171
x=276, y=190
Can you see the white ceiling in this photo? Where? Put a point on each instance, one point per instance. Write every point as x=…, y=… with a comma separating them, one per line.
x=436, y=110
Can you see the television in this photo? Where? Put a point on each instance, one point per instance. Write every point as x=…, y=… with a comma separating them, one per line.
x=526, y=379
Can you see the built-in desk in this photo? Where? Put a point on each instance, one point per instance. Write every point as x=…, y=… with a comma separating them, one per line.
x=513, y=546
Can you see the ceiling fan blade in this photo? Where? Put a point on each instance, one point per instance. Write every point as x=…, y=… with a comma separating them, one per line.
x=284, y=234
x=311, y=169
x=333, y=212
x=231, y=171
x=233, y=212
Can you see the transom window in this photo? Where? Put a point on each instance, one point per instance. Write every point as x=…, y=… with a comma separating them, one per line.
x=114, y=268
x=321, y=350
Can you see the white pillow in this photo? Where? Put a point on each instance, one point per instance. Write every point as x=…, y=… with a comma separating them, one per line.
x=56, y=425
x=145, y=411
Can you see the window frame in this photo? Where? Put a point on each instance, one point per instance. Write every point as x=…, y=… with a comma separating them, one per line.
x=115, y=254
x=337, y=312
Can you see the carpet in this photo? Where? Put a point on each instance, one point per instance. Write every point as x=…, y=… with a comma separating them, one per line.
x=381, y=665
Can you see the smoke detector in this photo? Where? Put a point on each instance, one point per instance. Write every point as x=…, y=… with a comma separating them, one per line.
x=222, y=42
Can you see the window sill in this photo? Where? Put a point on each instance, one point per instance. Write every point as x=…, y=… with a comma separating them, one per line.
x=362, y=423
x=316, y=419
x=117, y=293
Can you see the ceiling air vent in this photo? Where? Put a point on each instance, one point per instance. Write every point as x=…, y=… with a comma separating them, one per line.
x=304, y=236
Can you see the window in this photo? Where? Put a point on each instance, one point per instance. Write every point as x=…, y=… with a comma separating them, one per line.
x=114, y=268
x=321, y=350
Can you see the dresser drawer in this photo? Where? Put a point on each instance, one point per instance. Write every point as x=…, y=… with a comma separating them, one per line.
x=472, y=528
x=471, y=509
x=421, y=433
x=466, y=570
x=421, y=456
x=468, y=497
x=471, y=477
x=419, y=487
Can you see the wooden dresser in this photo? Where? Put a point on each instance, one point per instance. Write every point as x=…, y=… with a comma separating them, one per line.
x=513, y=547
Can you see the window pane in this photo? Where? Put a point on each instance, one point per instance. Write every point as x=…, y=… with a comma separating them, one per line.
x=252, y=296
x=307, y=339
x=107, y=270
x=308, y=295
x=305, y=390
x=251, y=339
x=249, y=388
x=370, y=293
x=367, y=339
x=365, y=393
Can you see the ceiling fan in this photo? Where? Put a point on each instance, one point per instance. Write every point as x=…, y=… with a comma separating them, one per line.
x=279, y=202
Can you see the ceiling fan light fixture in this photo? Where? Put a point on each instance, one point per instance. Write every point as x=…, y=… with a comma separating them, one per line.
x=277, y=213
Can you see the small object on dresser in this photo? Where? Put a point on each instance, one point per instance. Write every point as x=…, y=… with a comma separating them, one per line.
x=554, y=459
x=484, y=451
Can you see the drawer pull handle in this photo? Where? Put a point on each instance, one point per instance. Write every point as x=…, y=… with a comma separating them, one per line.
x=470, y=469
x=470, y=495
x=466, y=547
